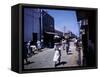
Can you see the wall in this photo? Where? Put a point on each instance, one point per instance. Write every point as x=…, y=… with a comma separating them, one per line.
x=5, y=38
x=31, y=23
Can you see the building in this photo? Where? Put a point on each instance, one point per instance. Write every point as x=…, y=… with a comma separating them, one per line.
x=31, y=24
x=86, y=20
x=38, y=25
x=47, y=29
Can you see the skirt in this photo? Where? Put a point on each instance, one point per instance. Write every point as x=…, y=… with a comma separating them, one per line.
x=56, y=56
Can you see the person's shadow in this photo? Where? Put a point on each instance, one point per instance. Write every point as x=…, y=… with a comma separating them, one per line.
x=29, y=63
x=61, y=63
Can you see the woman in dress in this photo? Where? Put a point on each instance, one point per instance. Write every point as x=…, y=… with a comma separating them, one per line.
x=57, y=55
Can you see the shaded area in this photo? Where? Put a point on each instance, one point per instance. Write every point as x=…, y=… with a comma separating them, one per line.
x=61, y=63
x=28, y=63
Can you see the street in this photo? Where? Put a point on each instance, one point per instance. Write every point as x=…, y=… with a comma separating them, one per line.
x=44, y=59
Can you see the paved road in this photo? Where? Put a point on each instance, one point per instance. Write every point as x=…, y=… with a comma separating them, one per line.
x=44, y=59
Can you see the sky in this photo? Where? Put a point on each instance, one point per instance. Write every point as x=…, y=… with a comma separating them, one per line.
x=64, y=19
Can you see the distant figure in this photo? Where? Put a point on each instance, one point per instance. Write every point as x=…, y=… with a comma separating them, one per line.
x=75, y=41
x=42, y=46
x=63, y=44
x=77, y=45
x=28, y=47
x=78, y=48
x=67, y=44
x=39, y=45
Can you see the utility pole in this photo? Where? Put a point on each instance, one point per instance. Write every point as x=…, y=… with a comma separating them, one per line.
x=41, y=25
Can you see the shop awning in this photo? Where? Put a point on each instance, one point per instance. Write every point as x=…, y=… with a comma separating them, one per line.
x=51, y=33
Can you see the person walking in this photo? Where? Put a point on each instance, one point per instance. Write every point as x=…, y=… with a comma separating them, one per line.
x=57, y=55
x=33, y=47
x=67, y=44
x=39, y=45
x=57, y=49
x=42, y=45
x=63, y=44
x=28, y=47
x=25, y=53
